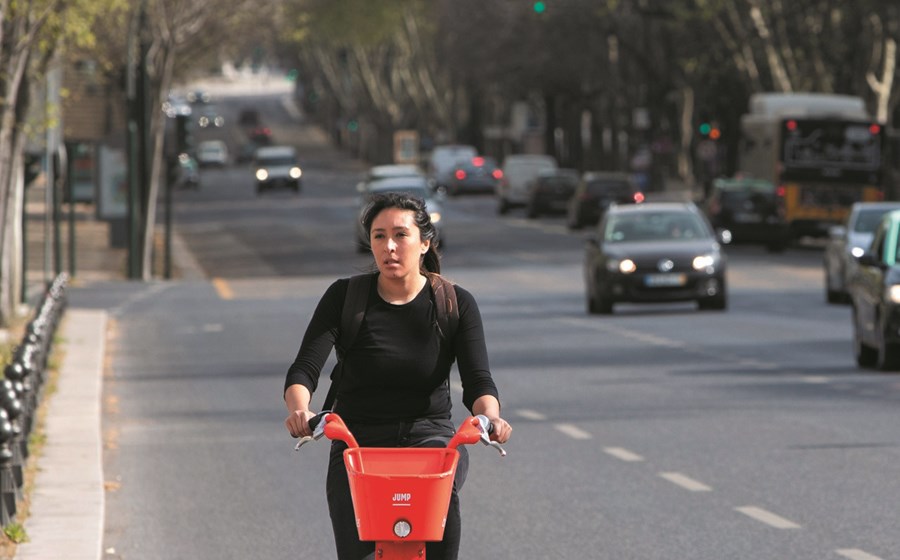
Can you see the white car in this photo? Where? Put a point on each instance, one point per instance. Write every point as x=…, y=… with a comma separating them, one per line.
x=846, y=242
x=519, y=171
x=212, y=152
x=379, y=172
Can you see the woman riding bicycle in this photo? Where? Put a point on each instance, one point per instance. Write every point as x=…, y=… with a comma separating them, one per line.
x=394, y=389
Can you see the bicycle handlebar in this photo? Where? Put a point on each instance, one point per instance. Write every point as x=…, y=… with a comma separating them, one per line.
x=476, y=428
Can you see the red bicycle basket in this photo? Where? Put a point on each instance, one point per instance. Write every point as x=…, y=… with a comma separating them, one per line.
x=389, y=484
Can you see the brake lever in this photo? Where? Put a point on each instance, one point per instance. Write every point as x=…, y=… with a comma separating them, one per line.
x=487, y=428
x=317, y=423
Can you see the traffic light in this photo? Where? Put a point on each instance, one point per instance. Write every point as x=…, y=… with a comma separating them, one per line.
x=539, y=7
x=710, y=130
x=183, y=139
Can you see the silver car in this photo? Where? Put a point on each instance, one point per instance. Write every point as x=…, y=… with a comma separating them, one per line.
x=846, y=242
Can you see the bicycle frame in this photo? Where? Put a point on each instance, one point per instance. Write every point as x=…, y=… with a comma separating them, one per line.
x=401, y=495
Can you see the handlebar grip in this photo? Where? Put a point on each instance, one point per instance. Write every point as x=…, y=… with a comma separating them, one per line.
x=314, y=421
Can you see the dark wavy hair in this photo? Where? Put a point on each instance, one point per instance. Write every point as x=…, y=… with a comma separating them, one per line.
x=431, y=260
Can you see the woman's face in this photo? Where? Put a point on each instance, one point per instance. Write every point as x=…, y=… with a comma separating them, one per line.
x=397, y=243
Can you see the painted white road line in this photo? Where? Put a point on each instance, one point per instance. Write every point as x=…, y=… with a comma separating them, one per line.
x=767, y=517
x=573, y=432
x=531, y=414
x=685, y=482
x=623, y=454
x=856, y=554
x=815, y=379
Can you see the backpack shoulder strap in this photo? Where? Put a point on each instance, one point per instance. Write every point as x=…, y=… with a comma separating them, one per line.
x=351, y=318
x=445, y=300
x=354, y=310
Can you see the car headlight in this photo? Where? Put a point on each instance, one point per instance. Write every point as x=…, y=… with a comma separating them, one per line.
x=894, y=293
x=625, y=266
x=262, y=174
x=704, y=262
x=857, y=252
x=296, y=173
x=435, y=217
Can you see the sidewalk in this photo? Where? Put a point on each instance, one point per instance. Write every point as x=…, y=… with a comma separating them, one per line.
x=66, y=513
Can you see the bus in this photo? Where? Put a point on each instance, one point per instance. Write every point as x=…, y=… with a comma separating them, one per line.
x=823, y=152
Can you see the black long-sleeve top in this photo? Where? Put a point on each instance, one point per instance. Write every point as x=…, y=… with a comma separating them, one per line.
x=398, y=367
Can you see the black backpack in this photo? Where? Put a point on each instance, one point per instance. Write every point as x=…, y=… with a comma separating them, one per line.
x=355, y=309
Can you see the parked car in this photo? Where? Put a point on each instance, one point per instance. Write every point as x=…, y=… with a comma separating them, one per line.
x=847, y=242
x=477, y=175
x=277, y=166
x=551, y=191
x=416, y=185
x=443, y=160
x=212, y=153
x=596, y=191
x=874, y=289
x=654, y=252
x=752, y=210
x=519, y=171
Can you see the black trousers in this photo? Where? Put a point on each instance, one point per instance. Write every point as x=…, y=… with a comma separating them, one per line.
x=421, y=433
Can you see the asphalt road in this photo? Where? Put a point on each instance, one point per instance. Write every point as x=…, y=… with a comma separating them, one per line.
x=660, y=432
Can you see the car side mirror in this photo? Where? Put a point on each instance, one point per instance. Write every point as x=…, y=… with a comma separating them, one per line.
x=869, y=259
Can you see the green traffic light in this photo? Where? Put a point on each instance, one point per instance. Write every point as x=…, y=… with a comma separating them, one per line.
x=705, y=128
x=539, y=7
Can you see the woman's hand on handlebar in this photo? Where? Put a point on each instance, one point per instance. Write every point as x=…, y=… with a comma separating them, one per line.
x=297, y=423
x=501, y=430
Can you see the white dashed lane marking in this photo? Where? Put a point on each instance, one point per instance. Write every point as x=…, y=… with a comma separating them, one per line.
x=623, y=454
x=767, y=517
x=685, y=482
x=531, y=415
x=573, y=432
x=856, y=554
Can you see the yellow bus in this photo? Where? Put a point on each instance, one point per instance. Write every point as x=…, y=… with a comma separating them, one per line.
x=822, y=151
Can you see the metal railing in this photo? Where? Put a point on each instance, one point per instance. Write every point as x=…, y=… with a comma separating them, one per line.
x=20, y=394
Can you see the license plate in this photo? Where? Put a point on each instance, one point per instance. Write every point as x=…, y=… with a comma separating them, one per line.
x=664, y=280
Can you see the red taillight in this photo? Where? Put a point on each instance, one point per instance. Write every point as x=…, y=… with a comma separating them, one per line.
x=498, y=174
x=460, y=174
x=477, y=161
x=638, y=197
x=780, y=191
x=874, y=129
x=791, y=124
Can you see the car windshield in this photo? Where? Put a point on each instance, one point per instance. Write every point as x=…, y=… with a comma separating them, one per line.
x=868, y=220
x=606, y=186
x=273, y=161
x=654, y=226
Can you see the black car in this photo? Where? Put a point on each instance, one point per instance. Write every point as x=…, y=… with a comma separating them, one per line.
x=596, y=192
x=751, y=210
x=654, y=252
x=551, y=191
x=874, y=290
x=477, y=175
